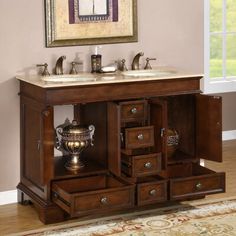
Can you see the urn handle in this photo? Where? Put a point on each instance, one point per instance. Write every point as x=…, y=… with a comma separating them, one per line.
x=92, y=130
x=59, y=130
x=58, y=133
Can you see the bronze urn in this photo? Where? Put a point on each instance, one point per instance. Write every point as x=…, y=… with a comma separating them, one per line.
x=73, y=138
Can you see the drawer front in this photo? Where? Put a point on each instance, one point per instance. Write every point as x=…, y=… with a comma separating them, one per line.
x=140, y=137
x=197, y=186
x=143, y=165
x=149, y=193
x=103, y=200
x=99, y=193
x=133, y=111
x=84, y=203
x=147, y=165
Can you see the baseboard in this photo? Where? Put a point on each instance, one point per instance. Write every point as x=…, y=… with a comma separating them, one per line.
x=229, y=135
x=8, y=197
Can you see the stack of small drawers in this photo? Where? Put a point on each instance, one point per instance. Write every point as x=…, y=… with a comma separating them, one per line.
x=139, y=162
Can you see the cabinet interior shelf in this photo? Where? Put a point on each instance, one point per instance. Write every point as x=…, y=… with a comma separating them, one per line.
x=91, y=168
x=181, y=157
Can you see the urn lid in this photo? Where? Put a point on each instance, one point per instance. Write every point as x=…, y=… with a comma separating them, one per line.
x=75, y=128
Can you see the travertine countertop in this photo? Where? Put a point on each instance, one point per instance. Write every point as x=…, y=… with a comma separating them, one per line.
x=106, y=78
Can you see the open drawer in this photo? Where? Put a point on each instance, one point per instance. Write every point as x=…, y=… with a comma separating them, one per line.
x=192, y=180
x=141, y=165
x=150, y=190
x=82, y=196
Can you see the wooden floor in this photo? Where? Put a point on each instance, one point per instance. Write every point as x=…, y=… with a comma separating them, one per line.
x=15, y=218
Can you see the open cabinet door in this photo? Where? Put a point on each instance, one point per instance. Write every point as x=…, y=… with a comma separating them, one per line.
x=158, y=118
x=209, y=127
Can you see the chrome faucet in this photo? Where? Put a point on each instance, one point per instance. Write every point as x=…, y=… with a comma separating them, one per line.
x=59, y=65
x=135, y=63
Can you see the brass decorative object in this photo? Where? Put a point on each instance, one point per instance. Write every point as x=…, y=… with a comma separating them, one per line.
x=74, y=138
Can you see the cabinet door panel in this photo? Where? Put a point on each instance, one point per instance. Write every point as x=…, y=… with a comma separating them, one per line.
x=209, y=127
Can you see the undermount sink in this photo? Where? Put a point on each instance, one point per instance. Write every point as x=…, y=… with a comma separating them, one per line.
x=69, y=78
x=147, y=73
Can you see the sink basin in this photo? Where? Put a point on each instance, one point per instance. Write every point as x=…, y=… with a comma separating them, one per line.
x=147, y=73
x=69, y=78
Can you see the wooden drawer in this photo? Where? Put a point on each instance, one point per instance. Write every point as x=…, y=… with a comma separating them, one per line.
x=142, y=165
x=132, y=111
x=92, y=194
x=139, y=137
x=151, y=190
x=192, y=180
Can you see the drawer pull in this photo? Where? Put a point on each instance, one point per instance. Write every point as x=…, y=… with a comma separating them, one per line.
x=148, y=165
x=198, y=186
x=140, y=137
x=153, y=192
x=134, y=110
x=104, y=200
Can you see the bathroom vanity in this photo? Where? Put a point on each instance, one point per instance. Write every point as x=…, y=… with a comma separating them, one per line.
x=133, y=163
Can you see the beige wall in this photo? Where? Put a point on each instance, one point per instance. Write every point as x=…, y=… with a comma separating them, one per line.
x=229, y=111
x=170, y=30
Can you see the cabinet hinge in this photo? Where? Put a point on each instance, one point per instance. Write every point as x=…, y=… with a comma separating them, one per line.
x=162, y=132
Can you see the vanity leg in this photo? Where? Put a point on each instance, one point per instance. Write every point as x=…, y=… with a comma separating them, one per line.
x=22, y=198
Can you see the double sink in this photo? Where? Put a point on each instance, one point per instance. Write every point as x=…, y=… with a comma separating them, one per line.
x=86, y=77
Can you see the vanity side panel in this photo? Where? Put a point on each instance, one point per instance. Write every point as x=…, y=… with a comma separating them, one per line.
x=36, y=147
x=32, y=91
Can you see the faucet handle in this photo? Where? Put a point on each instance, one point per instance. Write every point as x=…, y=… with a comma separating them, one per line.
x=73, y=70
x=45, y=70
x=148, y=65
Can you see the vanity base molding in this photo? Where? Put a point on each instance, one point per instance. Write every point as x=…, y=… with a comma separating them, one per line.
x=48, y=212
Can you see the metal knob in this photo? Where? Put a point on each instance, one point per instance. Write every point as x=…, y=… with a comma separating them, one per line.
x=148, y=165
x=198, y=186
x=104, y=200
x=140, y=137
x=55, y=195
x=153, y=192
x=134, y=110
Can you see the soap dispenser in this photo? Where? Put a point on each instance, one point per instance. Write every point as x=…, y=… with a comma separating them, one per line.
x=96, y=61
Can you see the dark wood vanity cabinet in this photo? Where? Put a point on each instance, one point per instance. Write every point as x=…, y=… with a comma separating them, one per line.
x=132, y=163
